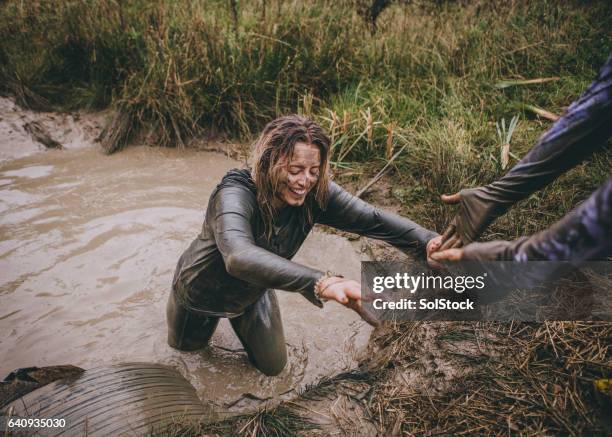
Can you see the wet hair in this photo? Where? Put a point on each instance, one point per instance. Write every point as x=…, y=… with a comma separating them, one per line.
x=273, y=150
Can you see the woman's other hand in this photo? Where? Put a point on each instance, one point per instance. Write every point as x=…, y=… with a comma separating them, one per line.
x=341, y=290
x=348, y=293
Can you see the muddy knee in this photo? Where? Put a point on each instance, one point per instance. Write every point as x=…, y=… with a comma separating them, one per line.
x=260, y=330
x=272, y=363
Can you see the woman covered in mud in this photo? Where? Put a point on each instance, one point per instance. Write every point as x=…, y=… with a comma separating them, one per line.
x=255, y=223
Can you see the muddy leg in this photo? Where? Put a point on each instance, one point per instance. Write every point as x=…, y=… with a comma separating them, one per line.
x=187, y=331
x=260, y=330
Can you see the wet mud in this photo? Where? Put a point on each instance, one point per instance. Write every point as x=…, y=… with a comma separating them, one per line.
x=88, y=246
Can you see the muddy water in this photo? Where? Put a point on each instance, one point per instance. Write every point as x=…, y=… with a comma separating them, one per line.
x=88, y=245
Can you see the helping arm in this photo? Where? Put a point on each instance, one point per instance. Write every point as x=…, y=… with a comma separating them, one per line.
x=584, y=128
x=583, y=234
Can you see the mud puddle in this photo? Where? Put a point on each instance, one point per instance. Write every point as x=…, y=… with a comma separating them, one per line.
x=88, y=246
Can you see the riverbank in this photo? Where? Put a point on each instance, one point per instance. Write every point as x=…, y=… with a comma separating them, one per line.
x=430, y=79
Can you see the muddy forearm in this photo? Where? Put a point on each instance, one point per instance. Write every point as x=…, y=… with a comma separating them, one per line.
x=582, y=235
x=351, y=214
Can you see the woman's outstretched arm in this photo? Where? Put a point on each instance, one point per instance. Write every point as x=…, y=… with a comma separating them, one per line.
x=349, y=213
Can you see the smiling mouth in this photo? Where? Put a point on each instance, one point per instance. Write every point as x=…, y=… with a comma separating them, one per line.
x=297, y=192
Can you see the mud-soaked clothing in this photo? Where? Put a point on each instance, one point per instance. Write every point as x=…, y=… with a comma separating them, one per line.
x=259, y=329
x=583, y=234
x=229, y=269
x=231, y=264
x=583, y=129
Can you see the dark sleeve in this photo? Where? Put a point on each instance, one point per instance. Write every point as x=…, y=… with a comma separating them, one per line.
x=349, y=213
x=584, y=234
x=584, y=128
x=230, y=214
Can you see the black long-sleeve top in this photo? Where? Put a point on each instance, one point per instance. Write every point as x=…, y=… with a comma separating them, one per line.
x=232, y=262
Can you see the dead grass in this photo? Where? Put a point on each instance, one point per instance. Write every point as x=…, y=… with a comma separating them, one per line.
x=497, y=378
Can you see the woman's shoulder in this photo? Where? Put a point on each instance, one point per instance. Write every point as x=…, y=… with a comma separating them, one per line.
x=237, y=178
x=235, y=193
x=336, y=192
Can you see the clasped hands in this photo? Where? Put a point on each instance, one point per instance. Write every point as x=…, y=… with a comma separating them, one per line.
x=474, y=216
x=478, y=208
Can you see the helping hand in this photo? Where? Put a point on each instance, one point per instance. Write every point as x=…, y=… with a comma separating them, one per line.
x=478, y=208
x=432, y=246
x=491, y=251
x=450, y=237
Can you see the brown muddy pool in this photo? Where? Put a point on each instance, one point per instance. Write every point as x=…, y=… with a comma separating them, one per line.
x=88, y=246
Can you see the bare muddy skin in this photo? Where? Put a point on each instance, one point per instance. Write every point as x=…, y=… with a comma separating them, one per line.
x=88, y=246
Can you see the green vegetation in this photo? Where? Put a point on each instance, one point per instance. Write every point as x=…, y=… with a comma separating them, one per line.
x=435, y=76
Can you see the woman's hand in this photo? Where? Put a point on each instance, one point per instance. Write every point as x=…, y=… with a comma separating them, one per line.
x=341, y=290
x=432, y=246
x=348, y=293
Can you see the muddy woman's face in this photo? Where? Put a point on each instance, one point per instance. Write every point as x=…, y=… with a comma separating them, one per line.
x=302, y=169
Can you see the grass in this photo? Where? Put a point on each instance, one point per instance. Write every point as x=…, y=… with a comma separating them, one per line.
x=181, y=67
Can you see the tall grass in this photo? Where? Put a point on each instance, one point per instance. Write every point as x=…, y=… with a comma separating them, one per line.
x=424, y=79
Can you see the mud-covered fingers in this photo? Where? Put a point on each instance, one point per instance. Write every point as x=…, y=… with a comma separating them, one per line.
x=448, y=255
x=340, y=297
x=448, y=244
x=448, y=232
x=354, y=304
x=352, y=289
x=357, y=306
x=458, y=244
x=343, y=290
x=433, y=245
x=433, y=264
